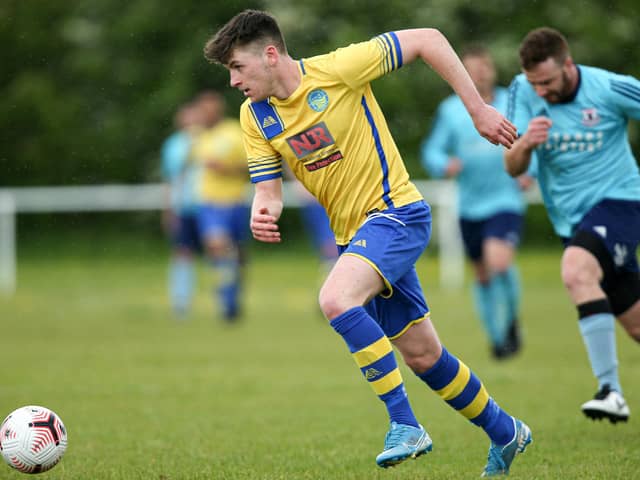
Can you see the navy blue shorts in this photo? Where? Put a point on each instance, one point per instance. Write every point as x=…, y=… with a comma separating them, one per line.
x=505, y=226
x=391, y=241
x=187, y=234
x=617, y=224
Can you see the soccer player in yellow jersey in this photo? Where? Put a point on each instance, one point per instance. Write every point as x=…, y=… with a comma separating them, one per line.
x=223, y=213
x=320, y=116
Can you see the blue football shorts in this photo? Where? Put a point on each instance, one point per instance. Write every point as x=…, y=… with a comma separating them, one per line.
x=617, y=224
x=227, y=220
x=506, y=226
x=186, y=234
x=391, y=241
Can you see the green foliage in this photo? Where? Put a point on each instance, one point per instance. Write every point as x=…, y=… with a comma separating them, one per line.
x=89, y=87
x=144, y=396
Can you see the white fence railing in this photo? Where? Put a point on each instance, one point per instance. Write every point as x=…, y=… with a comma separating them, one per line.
x=441, y=195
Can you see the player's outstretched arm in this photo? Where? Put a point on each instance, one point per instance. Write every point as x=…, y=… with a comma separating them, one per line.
x=266, y=210
x=517, y=159
x=434, y=49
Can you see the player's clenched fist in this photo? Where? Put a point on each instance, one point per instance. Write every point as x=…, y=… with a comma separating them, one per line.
x=494, y=127
x=264, y=227
x=538, y=131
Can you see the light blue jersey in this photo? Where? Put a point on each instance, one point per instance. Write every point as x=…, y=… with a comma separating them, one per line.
x=484, y=187
x=177, y=171
x=587, y=157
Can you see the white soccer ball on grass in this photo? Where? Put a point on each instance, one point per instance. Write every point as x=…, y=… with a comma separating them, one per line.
x=32, y=439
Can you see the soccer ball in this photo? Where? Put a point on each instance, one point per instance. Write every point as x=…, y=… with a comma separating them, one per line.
x=32, y=439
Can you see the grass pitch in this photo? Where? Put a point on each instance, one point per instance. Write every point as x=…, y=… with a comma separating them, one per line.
x=144, y=396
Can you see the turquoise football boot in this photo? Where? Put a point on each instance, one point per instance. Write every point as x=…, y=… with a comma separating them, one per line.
x=403, y=442
x=501, y=456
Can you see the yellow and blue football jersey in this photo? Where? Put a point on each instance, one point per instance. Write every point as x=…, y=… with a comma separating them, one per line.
x=222, y=143
x=333, y=135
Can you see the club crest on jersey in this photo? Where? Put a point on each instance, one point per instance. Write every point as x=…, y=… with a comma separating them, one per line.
x=318, y=100
x=590, y=117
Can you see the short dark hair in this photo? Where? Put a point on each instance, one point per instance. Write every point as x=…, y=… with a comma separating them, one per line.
x=541, y=44
x=249, y=26
x=475, y=50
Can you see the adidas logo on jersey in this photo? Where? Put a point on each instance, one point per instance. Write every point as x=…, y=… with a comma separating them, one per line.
x=268, y=121
x=360, y=243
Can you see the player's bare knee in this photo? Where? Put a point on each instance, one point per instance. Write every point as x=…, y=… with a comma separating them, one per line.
x=498, y=267
x=578, y=275
x=421, y=362
x=219, y=248
x=330, y=303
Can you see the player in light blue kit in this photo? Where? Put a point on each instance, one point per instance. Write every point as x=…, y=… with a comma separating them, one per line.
x=573, y=119
x=179, y=217
x=490, y=202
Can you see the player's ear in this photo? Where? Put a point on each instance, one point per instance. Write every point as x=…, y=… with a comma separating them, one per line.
x=568, y=62
x=271, y=55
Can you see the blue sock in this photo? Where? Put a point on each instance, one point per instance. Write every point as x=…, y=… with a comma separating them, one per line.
x=457, y=385
x=502, y=301
x=485, y=305
x=512, y=282
x=599, y=337
x=228, y=284
x=373, y=353
x=180, y=283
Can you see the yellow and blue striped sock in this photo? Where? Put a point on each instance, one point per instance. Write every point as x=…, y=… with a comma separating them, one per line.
x=372, y=351
x=456, y=384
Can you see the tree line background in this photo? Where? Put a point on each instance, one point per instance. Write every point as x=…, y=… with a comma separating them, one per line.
x=89, y=87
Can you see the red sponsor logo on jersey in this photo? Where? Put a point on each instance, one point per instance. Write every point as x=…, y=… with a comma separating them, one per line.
x=323, y=162
x=311, y=140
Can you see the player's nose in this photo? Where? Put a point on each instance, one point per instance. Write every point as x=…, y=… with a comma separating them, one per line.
x=541, y=91
x=234, y=80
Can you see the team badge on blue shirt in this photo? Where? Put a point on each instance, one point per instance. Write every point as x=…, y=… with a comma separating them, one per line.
x=318, y=100
x=590, y=117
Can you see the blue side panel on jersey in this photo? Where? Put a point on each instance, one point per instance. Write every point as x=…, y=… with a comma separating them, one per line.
x=268, y=120
x=386, y=189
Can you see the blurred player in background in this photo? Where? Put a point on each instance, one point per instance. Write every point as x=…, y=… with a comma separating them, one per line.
x=573, y=119
x=316, y=224
x=223, y=212
x=179, y=216
x=490, y=203
x=319, y=115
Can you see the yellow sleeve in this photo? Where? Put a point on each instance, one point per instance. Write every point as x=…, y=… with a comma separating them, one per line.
x=360, y=63
x=265, y=163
